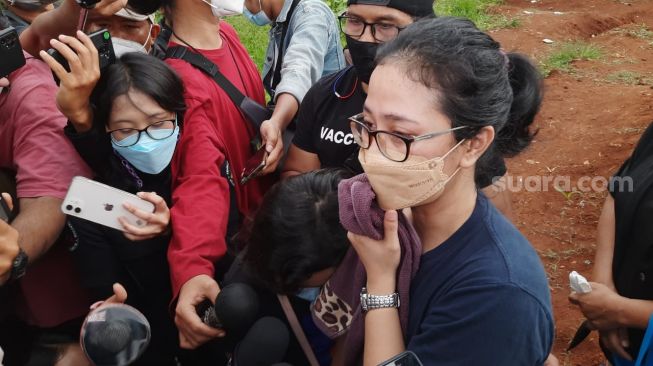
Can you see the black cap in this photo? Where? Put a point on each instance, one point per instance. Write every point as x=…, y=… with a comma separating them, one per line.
x=414, y=8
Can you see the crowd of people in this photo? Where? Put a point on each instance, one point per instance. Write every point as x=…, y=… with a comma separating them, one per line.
x=376, y=225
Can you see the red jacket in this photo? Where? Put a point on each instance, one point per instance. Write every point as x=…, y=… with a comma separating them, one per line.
x=214, y=130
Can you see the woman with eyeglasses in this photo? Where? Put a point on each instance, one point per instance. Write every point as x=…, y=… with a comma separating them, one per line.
x=125, y=123
x=442, y=92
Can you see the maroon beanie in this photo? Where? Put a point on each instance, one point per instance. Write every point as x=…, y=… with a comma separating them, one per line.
x=414, y=8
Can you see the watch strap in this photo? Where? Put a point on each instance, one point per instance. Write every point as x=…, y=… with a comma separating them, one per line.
x=371, y=302
x=19, y=266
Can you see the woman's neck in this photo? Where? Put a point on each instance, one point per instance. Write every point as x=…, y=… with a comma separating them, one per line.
x=438, y=220
x=193, y=23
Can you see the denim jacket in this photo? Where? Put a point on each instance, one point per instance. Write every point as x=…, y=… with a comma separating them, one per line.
x=312, y=48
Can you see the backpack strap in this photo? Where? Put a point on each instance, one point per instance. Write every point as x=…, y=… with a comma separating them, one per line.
x=276, y=75
x=254, y=112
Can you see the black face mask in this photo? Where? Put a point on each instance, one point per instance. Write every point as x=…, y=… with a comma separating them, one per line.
x=362, y=54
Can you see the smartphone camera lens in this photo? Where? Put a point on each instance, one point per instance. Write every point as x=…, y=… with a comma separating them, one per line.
x=69, y=207
x=78, y=210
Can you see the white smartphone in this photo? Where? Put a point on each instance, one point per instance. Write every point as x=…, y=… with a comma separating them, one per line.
x=102, y=204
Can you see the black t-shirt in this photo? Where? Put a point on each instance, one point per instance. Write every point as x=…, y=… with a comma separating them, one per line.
x=632, y=266
x=322, y=124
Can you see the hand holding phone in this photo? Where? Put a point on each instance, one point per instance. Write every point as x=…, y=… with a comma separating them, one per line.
x=94, y=52
x=102, y=204
x=6, y=206
x=254, y=165
x=11, y=52
x=156, y=223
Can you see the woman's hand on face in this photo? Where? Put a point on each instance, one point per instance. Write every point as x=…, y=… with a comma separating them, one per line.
x=156, y=222
x=602, y=306
x=380, y=257
x=76, y=86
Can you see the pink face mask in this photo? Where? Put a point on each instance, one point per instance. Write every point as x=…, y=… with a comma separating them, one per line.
x=414, y=182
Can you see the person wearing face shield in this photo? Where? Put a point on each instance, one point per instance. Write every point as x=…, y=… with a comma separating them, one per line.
x=322, y=137
x=130, y=31
x=21, y=13
x=304, y=45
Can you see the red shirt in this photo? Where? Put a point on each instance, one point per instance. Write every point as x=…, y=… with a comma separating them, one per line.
x=33, y=145
x=214, y=130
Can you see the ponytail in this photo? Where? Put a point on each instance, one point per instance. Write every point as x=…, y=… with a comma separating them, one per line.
x=526, y=85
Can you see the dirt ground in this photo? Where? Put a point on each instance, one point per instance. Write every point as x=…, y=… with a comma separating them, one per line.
x=590, y=121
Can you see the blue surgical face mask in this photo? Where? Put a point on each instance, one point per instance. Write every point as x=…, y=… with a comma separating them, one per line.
x=259, y=18
x=149, y=155
x=309, y=293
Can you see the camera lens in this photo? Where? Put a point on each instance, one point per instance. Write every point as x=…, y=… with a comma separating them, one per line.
x=78, y=210
x=69, y=207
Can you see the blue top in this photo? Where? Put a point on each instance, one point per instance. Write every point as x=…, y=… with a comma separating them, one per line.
x=312, y=48
x=481, y=297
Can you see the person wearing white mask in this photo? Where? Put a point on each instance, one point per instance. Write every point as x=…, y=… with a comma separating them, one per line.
x=130, y=31
x=304, y=45
x=216, y=136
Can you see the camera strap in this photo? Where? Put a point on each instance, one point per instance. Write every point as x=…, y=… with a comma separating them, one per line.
x=253, y=112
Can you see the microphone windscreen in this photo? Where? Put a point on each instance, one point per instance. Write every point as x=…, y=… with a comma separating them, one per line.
x=114, y=334
x=236, y=308
x=264, y=344
x=110, y=336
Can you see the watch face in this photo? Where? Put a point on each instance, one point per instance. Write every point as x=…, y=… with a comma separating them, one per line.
x=19, y=266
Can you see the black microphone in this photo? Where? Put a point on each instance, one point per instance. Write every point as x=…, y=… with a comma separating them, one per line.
x=264, y=344
x=114, y=334
x=235, y=310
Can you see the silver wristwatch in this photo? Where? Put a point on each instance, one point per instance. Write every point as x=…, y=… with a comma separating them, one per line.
x=370, y=302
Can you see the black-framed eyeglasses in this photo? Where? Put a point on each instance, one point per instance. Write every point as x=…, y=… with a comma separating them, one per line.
x=355, y=27
x=393, y=146
x=126, y=137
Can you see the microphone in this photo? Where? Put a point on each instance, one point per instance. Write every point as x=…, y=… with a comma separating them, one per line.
x=264, y=344
x=235, y=310
x=114, y=334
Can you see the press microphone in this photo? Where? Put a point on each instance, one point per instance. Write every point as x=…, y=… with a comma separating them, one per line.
x=114, y=334
x=235, y=310
x=264, y=344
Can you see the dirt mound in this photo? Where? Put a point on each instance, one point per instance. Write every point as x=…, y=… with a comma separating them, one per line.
x=591, y=119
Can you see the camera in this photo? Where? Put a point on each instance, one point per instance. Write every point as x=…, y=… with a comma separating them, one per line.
x=11, y=53
x=102, y=42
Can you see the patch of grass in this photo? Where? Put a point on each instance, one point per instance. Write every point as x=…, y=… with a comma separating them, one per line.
x=561, y=59
x=625, y=77
x=254, y=38
x=477, y=11
x=641, y=32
